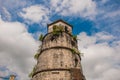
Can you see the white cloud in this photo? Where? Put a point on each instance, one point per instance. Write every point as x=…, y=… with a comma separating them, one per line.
x=108, y=21
x=83, y=8
x=101, y=58
x=6, y=14
x=17, y=48
x=104, y=36
x=13, y=4
x=107, y=18
x=104, y=1
x=35, y=14
x=5, y=73
x=112, y=14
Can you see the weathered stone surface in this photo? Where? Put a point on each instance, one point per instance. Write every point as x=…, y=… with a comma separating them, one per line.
x=62, y=24
x=63, y=40
x=53, y=75
x=59, y=58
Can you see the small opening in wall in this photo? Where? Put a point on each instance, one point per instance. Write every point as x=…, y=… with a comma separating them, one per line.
x=55, y=72
x=76, y=62
x=73, y=43
x=61, y=63
x=66, y=29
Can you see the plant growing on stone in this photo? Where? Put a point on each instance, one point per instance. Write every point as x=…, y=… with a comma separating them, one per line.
x=36, y=56
x=74, y=37
x=75, y=51
x=57, y=30
x=55, y=33
x=41, y=37
x=31, y=74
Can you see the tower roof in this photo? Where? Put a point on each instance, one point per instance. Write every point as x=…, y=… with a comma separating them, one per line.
x=60, y=20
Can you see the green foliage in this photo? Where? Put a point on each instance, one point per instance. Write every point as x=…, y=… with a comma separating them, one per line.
x=36, y=56
x=41, y=37
x=55, y=33
x=74, y=37
x=58, y=28
x=75, y=51
x=31, y=74
x=54, y=27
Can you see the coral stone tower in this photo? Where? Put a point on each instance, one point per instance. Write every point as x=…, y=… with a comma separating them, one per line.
x=58, y=58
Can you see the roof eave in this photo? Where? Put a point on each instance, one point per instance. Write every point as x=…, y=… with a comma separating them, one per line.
x=59, y=21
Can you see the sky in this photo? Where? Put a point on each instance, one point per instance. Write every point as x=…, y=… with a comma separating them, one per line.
x=95, y=22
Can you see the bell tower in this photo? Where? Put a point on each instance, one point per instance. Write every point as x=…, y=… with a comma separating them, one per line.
x=58, y=57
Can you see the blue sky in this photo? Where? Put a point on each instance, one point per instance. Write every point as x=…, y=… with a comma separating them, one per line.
x=104, y=14
x=97, y=21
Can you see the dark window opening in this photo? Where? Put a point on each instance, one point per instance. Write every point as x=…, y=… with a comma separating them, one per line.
x=66, y=29
x=76, y=62
x=73, y=43
x=55, y=72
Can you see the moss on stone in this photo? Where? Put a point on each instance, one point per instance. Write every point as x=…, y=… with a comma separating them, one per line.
x=36, y=56
x=41, y=37
x=31, y=74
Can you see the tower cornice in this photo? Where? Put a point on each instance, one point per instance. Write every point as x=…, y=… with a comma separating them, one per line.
x=60, y=20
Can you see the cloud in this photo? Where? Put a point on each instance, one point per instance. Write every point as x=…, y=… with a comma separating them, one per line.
x=5, y=14
x=12, y=7
x=17, y=48
x=5, y=73
x=82, y=8
x=107, y=18
x=35, y=14
x=104, y=1
x=112, y=14
x=101, y=56
x=14, y=4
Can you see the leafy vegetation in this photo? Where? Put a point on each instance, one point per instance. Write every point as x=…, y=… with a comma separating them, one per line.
x=36, y=56
x=75, y=51
x=41, y=37
x=31, y=74
x=55, y=33
x=74, y=37
x=58, y=28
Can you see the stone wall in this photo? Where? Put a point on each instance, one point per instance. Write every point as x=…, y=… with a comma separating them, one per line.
x=64, y=40
x=69, y=28
x=57, y=59
x=58, y=56
x=53, y=75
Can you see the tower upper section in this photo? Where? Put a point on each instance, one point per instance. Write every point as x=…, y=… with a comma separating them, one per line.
x=58, y=57
x=61, y=25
